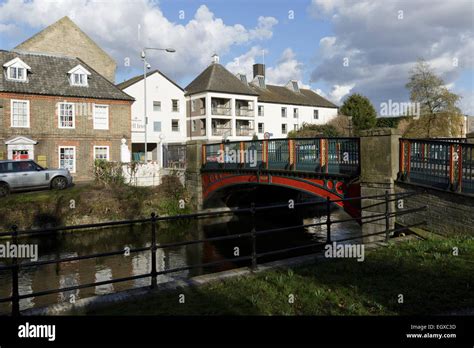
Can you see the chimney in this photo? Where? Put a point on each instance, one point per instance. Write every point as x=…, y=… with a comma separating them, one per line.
x=258, y=70
x=215, y=59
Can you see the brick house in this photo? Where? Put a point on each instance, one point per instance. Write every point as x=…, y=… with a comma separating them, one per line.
x=60, y=112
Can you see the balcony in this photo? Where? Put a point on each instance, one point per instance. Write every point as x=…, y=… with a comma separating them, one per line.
x=221, y=131
x=221, y=110
x=221, y=106
x=244, y=112
x=221, y=127
x=244, y=131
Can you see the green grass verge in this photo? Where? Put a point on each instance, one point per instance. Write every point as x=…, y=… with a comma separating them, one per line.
x=431, y=279
x=89, y=203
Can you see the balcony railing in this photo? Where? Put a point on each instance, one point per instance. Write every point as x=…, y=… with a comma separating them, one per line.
x=244, y=112
x=221, y=110
x=244, y=131
x=221, y=130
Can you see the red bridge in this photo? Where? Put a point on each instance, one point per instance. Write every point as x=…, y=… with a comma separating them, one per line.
x=322, y=167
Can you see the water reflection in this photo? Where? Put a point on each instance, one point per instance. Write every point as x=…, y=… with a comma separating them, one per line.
x=78, y=243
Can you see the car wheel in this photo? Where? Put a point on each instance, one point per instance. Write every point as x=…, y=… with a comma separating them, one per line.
x=59, y=183
x=4, y=190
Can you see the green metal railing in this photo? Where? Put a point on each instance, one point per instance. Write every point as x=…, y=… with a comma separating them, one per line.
x=439, y=163
x=313, y=155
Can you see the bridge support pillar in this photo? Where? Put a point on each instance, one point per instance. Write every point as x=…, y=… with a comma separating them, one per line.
x=193, y=181
x=379, y=154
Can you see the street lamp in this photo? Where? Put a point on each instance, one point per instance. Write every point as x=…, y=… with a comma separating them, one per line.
x=145, y=67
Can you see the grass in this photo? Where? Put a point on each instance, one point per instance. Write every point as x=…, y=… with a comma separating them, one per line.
x=431, y=279
x=91, y=203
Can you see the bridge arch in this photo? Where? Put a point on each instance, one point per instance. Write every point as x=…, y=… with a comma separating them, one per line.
x=332, y=187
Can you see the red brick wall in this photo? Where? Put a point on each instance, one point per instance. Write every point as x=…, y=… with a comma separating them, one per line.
x=44, y=128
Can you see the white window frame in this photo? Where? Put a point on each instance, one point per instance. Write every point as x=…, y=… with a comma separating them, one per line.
x=27, y=112
x=159, y=105
x=102, y=147
x=177, y=105
x=261, y=107
x=18, y=68
x=94, y=115
x=179, y=128
x=295, y=113
x=73, y=116
x=315, y=113
x=286, y=128
x=79, y=70
x=263, y=127
x=81, y=76
x=75, y=157
x=285, y=114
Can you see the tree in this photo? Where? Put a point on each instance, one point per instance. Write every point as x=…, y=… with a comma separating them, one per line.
x=309, y=130
x=342, y=125
x=439, y=115
x=362, y=111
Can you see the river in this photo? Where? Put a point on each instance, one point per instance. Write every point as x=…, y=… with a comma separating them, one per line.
x=51, y=246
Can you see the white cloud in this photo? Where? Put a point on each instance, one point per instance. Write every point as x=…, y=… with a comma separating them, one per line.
x=381, y=47
x=243, y=63
x=287, y=67
x=338, y=92
x=123, y=27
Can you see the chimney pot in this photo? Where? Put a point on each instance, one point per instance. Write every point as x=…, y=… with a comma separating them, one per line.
x=258, y=69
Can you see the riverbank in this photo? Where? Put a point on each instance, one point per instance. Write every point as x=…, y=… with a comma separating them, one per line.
x=90, y=203
x=429, y=275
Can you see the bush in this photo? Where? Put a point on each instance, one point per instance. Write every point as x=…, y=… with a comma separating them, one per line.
x=108, y=173
x=309, y=130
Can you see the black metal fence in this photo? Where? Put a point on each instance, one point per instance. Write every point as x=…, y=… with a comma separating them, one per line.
x=15, y=266
x=440, y=163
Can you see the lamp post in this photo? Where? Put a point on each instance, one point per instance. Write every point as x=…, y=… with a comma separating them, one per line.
x=145, y=67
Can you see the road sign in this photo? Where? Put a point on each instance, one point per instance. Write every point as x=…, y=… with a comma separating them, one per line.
x=267, y=135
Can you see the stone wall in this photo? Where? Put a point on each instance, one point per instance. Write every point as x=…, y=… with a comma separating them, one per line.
x=66, y=38
x=447, y=213
x=193, y=180
x=379, y=167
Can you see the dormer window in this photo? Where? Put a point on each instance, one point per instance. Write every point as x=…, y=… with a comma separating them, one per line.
x=293, y=86
x=78, y=76
x=16, y=70
x=79, y=79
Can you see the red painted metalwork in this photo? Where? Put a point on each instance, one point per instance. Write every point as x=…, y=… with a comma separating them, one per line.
x=451, y=164
x=402, y=157
x=212, y=182
x=459, y=188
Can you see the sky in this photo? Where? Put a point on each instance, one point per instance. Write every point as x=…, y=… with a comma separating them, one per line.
x=335, y=47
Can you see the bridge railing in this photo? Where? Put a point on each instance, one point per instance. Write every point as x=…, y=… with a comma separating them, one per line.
x=438, y=163
x=315, y=155
x=18, y=267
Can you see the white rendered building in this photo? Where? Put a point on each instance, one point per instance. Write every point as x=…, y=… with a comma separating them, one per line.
x=166, y=112
x=221, y=106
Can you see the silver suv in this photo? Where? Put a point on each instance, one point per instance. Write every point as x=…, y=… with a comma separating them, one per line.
x=25, y=175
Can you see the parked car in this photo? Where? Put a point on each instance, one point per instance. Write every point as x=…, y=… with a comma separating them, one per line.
x=26, y=175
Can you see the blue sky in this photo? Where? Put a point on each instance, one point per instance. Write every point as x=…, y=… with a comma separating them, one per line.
x=305, y=39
